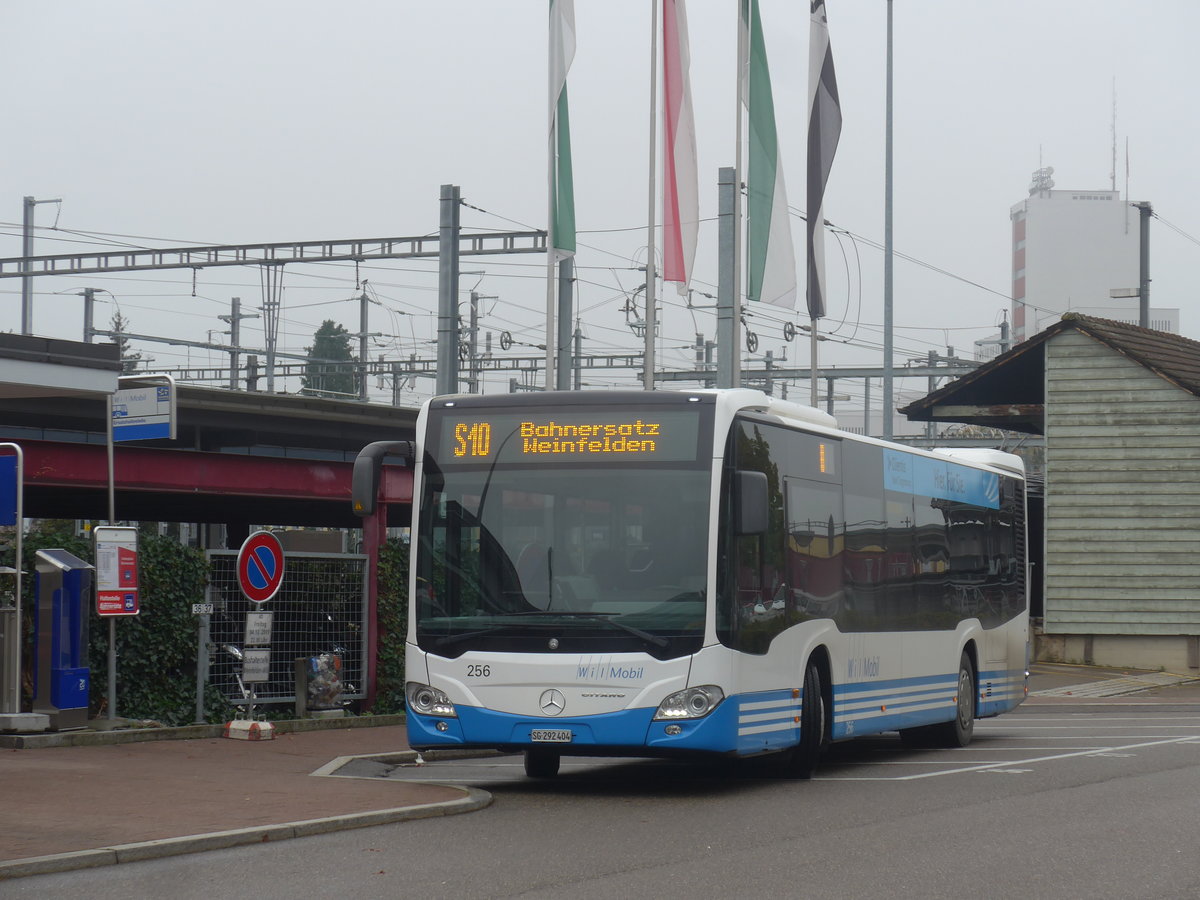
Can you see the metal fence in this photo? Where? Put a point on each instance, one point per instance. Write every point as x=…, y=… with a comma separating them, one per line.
x=321, y=607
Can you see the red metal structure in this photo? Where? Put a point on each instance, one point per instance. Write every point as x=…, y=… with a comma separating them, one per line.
x=240, y=460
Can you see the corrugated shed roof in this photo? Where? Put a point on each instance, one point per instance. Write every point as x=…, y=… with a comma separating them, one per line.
x=1016, y=379
x=1170, y=356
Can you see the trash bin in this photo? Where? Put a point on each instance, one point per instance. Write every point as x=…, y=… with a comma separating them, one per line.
x=319, y=683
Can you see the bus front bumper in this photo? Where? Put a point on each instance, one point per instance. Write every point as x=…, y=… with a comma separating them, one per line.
x=630, y=732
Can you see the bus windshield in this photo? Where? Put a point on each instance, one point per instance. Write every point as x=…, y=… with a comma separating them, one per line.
x=571, y=555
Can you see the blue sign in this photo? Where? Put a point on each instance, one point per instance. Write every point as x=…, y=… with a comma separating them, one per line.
x=940, y=479
x=143, y=413
x=8, y=490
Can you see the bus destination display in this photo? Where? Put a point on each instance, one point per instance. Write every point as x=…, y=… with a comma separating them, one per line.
x=549, y=437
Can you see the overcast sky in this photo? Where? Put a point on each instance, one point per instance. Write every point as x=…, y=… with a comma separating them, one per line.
x=164, y=124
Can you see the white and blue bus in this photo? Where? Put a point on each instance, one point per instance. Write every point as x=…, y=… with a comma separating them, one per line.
x=708, y=572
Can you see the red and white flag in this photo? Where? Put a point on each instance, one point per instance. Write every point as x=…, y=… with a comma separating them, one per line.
x=681, y=208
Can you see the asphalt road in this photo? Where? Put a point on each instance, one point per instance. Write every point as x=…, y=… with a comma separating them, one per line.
x=1054, y=800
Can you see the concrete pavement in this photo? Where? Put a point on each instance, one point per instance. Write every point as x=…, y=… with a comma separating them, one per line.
x=115, y=799
x=96, y=798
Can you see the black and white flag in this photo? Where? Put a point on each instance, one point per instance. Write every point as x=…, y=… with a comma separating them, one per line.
x=824, y=129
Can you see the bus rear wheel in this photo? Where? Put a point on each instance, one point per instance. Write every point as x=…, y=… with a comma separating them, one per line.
x=959, y=731
x=813, y=737
x=541, y=763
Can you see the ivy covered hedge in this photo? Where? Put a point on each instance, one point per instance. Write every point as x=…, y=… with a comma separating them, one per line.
x=392, y=607
x=156, y=650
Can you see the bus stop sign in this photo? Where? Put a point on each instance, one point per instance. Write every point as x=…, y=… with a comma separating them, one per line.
x=260, y=566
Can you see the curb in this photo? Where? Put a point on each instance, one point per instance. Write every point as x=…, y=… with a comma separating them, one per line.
x=400, y=758
x=93, y=738
x=473, y=799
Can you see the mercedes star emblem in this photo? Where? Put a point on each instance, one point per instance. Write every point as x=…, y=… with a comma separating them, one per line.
x=552, y=702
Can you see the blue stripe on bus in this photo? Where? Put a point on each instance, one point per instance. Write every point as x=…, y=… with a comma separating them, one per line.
x=768, y=720
x=1000, y=690
x=870, y=707
x=893, y=684
x=744, y=724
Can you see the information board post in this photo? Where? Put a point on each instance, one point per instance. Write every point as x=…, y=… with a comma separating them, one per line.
x=12, y=490
x=116, y=590
x=142, y=408
x=116, y=570
x=11, y=473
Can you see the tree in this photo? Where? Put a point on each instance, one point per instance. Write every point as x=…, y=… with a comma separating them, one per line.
x=130, y=361
x=1031, y=450
x=325, y=372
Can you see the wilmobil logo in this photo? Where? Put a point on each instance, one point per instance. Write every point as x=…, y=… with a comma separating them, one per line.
x=606, y=671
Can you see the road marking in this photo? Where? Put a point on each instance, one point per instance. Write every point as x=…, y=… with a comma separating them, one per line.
x=1008, y=771
x=1115, y=687
x=1072, y=721
x=993, y=735
x=985, y=767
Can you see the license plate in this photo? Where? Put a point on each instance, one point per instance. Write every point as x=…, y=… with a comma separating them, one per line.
x=556, y=736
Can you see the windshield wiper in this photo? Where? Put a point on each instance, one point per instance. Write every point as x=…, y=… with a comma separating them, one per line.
x=451, y=639
x=656, y=640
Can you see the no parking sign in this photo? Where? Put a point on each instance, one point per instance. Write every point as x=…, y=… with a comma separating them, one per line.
x=260, y=566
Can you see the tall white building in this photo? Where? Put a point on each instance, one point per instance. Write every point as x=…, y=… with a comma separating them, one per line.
x=1070, y=251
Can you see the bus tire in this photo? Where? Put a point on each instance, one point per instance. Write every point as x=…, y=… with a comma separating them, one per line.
x=541, y=763
x=813, y=737
x=959, y=731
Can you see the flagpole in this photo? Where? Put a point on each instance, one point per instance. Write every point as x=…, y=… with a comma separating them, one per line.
x=551, y=296
x=648, y=356
x=560, y=227
x=812, y=353
x=888, y=247
x=551, y=172
x=735, y=361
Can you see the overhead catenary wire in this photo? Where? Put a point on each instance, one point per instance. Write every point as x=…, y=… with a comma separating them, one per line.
x=603, y=333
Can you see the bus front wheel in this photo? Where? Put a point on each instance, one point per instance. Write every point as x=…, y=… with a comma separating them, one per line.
x=813, y=738
x=541, y=763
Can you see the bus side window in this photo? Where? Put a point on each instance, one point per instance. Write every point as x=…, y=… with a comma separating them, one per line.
x=816, y=533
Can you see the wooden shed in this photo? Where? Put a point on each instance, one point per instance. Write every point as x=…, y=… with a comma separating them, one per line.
x=1119, y=407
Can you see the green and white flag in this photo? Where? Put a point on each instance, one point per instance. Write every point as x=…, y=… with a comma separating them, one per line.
x=562, y=188
x=771, y=258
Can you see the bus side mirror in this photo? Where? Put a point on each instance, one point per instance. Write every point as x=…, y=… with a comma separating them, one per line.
x=364, y=478
x=750, y=502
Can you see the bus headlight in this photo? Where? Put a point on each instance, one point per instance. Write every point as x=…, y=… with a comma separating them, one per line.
x=428, y=701
x=690, y=703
